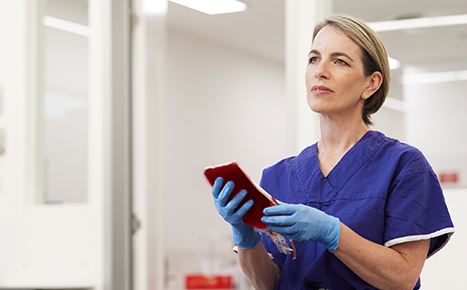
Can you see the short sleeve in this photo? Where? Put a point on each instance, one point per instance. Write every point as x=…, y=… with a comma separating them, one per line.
x=416, y=209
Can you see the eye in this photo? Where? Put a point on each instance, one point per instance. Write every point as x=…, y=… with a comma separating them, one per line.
x=340, y=62
x=313, y=59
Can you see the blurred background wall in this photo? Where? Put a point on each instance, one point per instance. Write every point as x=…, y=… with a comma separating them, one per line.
x=225, y=97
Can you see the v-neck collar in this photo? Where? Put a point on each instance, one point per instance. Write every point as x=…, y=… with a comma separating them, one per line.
x=312, y=179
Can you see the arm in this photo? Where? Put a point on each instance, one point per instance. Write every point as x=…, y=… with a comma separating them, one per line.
x=397, y=267
x=258, y=267
x=255, y=262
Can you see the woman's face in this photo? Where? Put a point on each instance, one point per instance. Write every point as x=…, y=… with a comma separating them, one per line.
x=335, y=81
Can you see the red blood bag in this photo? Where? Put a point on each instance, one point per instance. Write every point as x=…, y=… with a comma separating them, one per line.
x=261, y=199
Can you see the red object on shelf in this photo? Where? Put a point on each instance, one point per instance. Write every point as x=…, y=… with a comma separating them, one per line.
x=232, y=172
x=452, y=177
x=208, y=282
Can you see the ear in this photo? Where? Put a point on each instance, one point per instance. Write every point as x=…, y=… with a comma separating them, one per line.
x=374, y=82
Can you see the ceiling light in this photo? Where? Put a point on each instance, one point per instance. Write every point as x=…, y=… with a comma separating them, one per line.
x=434, y=77
x=212, y=7
x=418, y=23
x=394, y=63
x=66, y=26
x=151, y=7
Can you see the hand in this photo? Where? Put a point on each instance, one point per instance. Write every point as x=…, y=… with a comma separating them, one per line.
x=244, y=235
x=303, y=223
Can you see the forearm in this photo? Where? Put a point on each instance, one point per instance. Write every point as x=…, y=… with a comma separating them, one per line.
x=384, y=268
x=258, y=267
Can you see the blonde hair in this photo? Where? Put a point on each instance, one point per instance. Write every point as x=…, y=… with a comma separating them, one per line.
x=374, y=56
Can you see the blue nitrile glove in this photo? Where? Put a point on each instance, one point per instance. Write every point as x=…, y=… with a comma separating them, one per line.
x=244, y=235
x=303, y=223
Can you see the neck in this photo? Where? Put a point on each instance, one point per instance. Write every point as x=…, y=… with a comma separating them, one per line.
x=338, y=136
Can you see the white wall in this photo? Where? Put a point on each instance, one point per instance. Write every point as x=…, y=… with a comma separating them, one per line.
x=221, y=105
x=436, y=118
x=436, y=124
x=13, y=117
x=446, y=269
x=42, y=246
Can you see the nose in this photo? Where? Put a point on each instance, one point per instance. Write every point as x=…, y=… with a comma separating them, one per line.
x=322, y=71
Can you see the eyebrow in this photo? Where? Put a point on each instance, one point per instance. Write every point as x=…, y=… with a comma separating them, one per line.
x=334, y=54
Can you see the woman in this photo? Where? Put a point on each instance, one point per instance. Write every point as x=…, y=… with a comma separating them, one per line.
x=364, y=210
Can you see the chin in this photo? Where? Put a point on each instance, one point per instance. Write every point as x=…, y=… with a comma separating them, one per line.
x=315, y=106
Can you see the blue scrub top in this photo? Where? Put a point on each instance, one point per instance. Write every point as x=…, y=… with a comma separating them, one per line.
x=384, y=190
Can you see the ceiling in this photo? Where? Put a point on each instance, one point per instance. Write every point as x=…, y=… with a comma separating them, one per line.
x=261, y=29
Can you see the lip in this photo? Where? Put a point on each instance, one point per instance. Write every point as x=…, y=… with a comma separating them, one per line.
x=321, y=90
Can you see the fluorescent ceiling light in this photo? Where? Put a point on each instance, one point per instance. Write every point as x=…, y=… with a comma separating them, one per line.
x=152, y=7
x=66, y=26
x=394, y=63
x=212, y=7
x=418, y=23
x=434, y=77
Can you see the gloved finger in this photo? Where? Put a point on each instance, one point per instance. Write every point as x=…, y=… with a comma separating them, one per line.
x=242, y=211
x=216, y=188
x=280, y=209
x=284, y=231
x=225, y=193
x=233, y=204
x=282, y=220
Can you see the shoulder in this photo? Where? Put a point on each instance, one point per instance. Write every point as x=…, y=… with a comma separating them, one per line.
x=390, y=145
x=406, y=167
x=405, y=157
x=387, y=160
